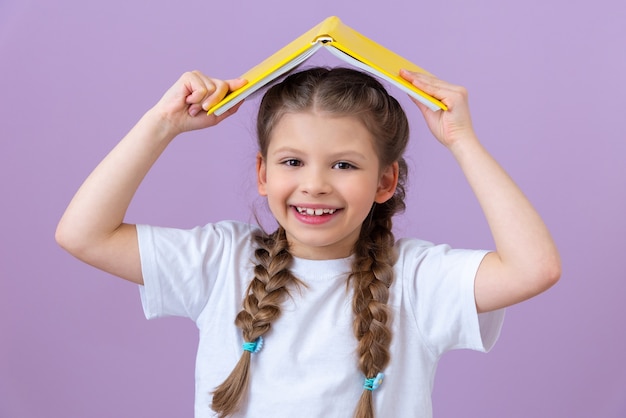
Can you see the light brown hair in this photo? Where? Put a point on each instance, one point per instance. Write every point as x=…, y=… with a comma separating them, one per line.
x=339, y=92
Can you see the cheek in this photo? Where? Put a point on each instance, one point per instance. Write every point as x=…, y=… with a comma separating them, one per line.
x=278, y=185
x=361, y=194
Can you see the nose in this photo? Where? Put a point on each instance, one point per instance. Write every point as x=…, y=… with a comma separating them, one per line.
x=315, y=182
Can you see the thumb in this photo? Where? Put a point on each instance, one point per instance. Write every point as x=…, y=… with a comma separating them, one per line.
x=232, y=85
x=236, y=84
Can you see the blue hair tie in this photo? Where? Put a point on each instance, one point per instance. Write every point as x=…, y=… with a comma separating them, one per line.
x=254, y=346
x=374, y=382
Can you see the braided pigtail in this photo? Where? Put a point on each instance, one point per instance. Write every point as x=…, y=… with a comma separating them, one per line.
x=261, y=307
x=372, y=275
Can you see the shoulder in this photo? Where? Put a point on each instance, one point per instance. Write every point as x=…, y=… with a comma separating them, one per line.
x=206, y=241
x=416, y=257
x=234, y=228
x=412, y=245
x=225, y=229
x=415, y=248
x=412, y=251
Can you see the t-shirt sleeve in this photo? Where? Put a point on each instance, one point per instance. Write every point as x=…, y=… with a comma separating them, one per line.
x=441, y=289
x=179, y=267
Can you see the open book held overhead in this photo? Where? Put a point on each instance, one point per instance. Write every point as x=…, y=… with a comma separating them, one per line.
x=345, y=43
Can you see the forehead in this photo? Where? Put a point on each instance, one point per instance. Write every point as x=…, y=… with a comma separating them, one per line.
x=321, y=129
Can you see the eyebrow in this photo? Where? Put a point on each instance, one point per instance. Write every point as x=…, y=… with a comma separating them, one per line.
x=347, y=154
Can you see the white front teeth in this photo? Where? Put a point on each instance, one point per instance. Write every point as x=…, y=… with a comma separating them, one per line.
x=315, y=212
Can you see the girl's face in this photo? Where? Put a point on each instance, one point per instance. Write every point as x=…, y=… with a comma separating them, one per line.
x=321, y=176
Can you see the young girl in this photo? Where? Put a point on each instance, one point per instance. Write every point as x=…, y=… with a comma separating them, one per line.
x=332, y=316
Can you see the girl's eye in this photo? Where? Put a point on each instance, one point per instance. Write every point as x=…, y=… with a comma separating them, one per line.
x=292, y=162
x=342, y=165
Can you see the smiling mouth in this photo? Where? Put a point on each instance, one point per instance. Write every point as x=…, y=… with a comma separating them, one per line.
x=315, y=212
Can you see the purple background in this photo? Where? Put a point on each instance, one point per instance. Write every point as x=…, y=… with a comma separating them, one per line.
x=547, y=87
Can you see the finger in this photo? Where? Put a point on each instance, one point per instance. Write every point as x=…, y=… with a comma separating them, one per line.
x=419, y=77
x=222, y=88
x=199, y=87
x=425, y=82
x=447, y=93
x=194, y=109
x=202, y=90
x=236, y=83
x=216, y=90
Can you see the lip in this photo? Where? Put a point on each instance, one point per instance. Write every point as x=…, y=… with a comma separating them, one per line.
x=314, y=219
x=313, y=206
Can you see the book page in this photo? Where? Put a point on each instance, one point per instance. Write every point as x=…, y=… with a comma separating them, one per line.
x=359, y=64
x=258, y=84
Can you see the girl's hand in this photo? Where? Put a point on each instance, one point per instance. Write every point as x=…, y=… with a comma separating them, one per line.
x=184, y=106
x=453, y=125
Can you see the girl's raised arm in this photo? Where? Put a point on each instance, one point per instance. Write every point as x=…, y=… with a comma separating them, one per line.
x=92, y=227
x=526, y=261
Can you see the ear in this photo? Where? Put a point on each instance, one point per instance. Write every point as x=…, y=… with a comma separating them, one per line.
x=261, y=174
x=387, y=183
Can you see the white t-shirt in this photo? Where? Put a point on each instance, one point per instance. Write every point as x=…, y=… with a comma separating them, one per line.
x=307, y=366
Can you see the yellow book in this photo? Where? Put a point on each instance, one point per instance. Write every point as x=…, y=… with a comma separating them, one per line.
x=345, y=43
